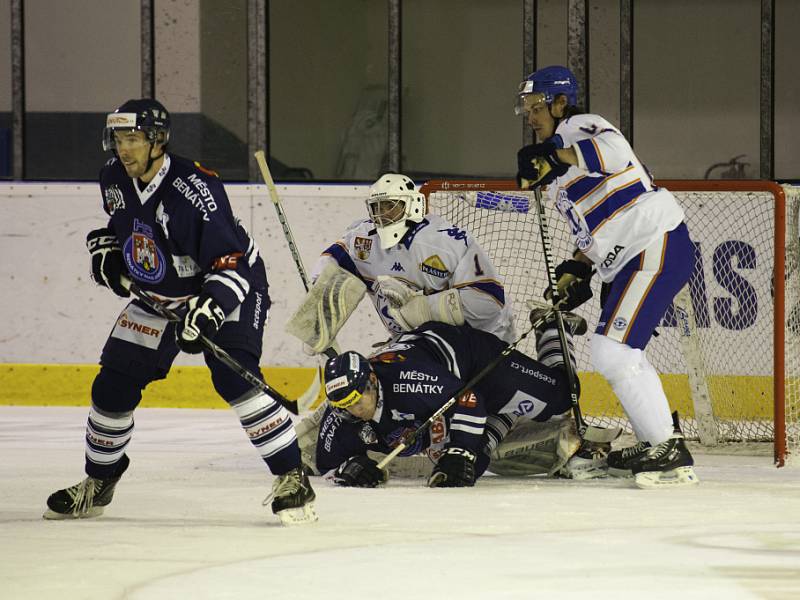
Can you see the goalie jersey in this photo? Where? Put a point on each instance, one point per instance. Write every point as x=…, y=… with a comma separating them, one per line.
x=179, y=234
x=614, y=208
x=433, y=256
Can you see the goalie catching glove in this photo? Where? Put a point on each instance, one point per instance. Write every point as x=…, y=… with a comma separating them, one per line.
x=203, y=319
x=359, y=471
x=456, y=468
x=410, y=308
x=574, y=279
x=538, y=165
x=108, y=265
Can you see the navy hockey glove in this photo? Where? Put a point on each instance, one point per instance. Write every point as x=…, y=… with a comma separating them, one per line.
x=359, y=471
x=538, y=165
x=204, y=318
x=456, y=468
x=574, y=280
x=108, y=266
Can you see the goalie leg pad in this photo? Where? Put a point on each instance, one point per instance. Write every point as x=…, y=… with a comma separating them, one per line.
x=533, y=448
x=326, y=307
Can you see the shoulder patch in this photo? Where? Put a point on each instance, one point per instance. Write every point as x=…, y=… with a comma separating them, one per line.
x=362, y=247
x=208, y=172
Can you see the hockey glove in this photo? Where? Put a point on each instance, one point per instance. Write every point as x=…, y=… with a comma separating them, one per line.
x=456, y=468
x=396, y=292
x=204, y=318
x=538, y=165
x=108, y=266
x=359, y=471
x=574, y=279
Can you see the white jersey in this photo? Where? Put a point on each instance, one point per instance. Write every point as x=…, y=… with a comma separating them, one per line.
x=434, y=256
x=609, y=199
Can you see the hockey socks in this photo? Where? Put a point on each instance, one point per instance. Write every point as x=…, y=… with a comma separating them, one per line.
x=107, y=435
x=269, y=428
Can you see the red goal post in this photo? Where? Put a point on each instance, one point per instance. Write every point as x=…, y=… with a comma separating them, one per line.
x=728, y=349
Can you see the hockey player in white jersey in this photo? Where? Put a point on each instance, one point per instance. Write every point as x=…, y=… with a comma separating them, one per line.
x=415, y=267
x=632, y=234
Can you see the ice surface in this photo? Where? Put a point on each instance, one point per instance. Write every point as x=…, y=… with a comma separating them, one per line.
x=187, y=522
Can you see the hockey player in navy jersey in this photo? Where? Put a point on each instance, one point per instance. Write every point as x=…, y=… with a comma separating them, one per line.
x=171, y=230
x=632, y=234
x=374, y=403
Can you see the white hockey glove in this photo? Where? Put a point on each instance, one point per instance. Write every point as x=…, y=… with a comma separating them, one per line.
x=444, y=307
x=396, y=292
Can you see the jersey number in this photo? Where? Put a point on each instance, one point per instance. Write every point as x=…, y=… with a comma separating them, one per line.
x=478, y=270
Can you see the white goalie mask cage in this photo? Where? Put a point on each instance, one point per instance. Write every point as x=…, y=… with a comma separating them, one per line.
x=393, y=205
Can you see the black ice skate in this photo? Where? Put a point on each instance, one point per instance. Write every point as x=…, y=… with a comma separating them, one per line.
x=621, y=461
x=293, y=498
x=588, y=462
x=86, y=499
x=666, y=464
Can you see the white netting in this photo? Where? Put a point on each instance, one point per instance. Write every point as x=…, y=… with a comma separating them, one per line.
x=722, y=330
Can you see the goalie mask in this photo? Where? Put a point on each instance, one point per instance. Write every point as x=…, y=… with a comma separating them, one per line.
x=146, y=115
x=346, y=379
x=544, y=85
x=394, y=206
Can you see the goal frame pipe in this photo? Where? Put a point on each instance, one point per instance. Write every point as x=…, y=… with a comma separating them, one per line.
x=779, y=265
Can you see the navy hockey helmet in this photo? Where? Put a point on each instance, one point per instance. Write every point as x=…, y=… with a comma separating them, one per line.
x=145, y=115
x=549, y=82
x=346, y=378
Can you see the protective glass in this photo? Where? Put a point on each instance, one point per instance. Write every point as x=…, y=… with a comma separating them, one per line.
x=387, y=210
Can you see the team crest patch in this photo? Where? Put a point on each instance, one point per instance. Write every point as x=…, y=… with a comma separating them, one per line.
x=142, y=257
x=362, y=247
x=433, y=265
x=114, y=199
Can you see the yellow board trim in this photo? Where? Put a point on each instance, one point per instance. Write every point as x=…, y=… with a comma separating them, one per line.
x=185, y=387
x=732, y=396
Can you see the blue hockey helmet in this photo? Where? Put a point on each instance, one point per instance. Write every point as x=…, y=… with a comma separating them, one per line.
x=145, y=115
x=346, y=378
x=549, y=82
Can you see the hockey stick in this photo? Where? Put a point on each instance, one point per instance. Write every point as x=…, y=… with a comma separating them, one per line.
x=261, y=159
x=585, y=431
x=287, y=232
x=408, y=439
x=219, y=353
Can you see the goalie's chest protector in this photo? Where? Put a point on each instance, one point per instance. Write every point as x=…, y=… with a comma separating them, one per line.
x=426, y=258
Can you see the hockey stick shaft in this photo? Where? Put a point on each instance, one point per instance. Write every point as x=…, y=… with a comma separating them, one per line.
x=261, y=159
x=592, y=434
x=409, y=439
x=218, y=352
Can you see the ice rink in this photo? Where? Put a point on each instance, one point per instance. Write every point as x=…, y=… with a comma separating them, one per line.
x=187, y=522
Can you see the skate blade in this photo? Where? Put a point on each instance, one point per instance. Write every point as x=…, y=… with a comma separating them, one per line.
x=301, y=515
x=51, y=515
x=682, y=476
x=622, y=473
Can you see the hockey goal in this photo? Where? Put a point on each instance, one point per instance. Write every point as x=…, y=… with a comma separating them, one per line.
x=728, y=349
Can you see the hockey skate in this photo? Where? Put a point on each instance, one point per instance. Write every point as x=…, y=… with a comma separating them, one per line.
x=542, y=316
x=666, y=464
x=621, y=461
x=293, y=498
x=86, y=499
x=589, y=462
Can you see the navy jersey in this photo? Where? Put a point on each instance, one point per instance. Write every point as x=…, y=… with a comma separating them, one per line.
x=420, y=372
x=179, y=235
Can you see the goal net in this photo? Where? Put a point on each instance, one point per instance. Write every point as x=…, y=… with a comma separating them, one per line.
x=728, y=349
